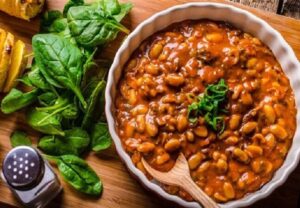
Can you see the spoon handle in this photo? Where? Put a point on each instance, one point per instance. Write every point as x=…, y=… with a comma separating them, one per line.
x=196, y=192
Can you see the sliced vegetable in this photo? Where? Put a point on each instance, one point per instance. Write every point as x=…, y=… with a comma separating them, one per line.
x=24, y=9
x=18, y=64
x=5, y=60
x=3, y=35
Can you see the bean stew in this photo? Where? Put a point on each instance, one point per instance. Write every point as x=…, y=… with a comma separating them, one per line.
x=232, y=148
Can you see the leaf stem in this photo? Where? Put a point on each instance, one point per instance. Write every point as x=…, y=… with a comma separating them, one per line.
x=52, y=114
x=78, y=93
x=51, y=158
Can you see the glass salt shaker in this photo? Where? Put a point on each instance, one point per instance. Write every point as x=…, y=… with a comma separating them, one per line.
x=30, y=177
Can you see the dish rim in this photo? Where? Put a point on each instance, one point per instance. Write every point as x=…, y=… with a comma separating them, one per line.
x=291, y=160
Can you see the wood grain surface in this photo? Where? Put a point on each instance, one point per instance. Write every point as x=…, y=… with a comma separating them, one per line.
x=120, y=190
x=290, y=8
x=266, y=5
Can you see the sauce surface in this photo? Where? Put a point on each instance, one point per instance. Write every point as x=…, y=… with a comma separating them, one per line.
x=167, y=73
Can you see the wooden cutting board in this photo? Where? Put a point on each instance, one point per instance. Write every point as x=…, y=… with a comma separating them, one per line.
x=120, y=190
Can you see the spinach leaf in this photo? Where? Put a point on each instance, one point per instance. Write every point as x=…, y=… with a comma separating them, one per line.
x=92, y=26
x=36, y=78
x=94, y=97
x=61, y=102
x=71, y=112
x=47, y=98
x=60, y=62
x=16, y=100
x=89, y=59
x=54, y=22
x=115, y=9
x=88, y=65
x=25, y=80
x=72, y=3
x=74, y=142
x=19, y=138
x=48, y=21
x=44, y=122
x=101, y=139
x=101, y=107
x=63, y=105
x=79, y=174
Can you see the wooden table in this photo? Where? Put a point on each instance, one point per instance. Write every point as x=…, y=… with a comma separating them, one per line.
x=290, y=8
x=120, y=190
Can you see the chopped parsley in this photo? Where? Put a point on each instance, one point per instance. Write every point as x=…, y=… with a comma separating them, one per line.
x=209, y=104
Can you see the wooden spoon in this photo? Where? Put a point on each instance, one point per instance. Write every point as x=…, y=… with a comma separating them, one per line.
x=179, y=176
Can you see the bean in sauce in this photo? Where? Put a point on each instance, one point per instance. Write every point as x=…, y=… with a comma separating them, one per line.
x=165, y=75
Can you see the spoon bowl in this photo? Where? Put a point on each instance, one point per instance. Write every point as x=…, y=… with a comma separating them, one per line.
x=180, y=176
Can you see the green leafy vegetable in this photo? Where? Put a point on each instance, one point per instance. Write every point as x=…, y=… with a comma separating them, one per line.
x=67, y=82
x=60, y=103
x=19, y=138
x=63, y=105
x=209, y=106
x=25, y=80
x=48, y=21
x=115, y=9
x=101, y=139
x=89, y=63
x=37, y=80
x=102, y=107
x=74, y=142
x=55, y=22
x=94, y=97
x=44, y=122
x=96, y=24
x=60, y=62
x=47, y=98
x=79, y=174
x=71, y=112
x=72, y=3
x=16, y=100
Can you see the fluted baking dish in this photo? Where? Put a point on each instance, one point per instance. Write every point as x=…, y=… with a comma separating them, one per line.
x=241, y=19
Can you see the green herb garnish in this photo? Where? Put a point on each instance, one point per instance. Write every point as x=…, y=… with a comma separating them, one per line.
x=209, y=105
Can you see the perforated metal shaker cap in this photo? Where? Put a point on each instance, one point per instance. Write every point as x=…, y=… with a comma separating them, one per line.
x=23, y=167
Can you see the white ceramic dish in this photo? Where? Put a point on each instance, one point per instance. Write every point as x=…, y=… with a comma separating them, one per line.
x=242, y=20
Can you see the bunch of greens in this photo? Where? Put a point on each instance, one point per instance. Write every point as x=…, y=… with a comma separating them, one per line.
x=209, y=105
x=67, y=84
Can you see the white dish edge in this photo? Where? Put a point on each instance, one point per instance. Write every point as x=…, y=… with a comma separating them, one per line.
x=241, y=19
